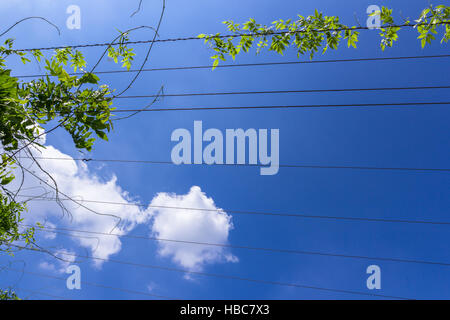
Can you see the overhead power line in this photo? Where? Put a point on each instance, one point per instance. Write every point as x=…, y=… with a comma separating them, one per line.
x=240, y=165
x=240, y=65
x=275, y=214
x=194, y=94
x=349, y=105
x=91, y=284
x=222, y=276
x=224, y=36
x=37, y=292
x=272, y=250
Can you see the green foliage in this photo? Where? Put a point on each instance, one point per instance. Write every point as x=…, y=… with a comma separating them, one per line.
x=80, y=112
x=122, y=51
x=8, y=295
x=24, y=106
x=10, y=210
x=10, y=218
x=389, y=33
x=77, y=103
x=310, y=34
x=428, y=22
x=13, y=120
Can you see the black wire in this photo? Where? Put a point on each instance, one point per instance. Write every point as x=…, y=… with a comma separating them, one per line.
x=91, y=284
x=288, y=251
x=243, y=165
x=137, y=10
x=221, y=37
x=289, y=107
x=248, y=65
x=136, y=76
x=41, y=293
x=292, y=215
x=192, y=94
x=29, y=18
x=223, y=276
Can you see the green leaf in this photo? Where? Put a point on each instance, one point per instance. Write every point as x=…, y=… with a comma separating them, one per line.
x=102, y=135
x=6, y=180
x=215, y=63
x=89, y=78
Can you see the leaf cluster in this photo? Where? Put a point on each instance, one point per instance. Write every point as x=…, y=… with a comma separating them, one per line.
x=317, y=32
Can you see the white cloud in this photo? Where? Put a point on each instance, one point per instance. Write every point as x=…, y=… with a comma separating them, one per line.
x=151, y=286
x=211, y=226
x=76, y=180
x=50, y=235
x=65, y=259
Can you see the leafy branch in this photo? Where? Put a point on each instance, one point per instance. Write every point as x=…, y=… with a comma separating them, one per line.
x=25, y=107
x=311, y=33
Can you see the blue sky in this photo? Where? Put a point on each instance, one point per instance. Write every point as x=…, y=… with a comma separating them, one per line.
x=413, y=136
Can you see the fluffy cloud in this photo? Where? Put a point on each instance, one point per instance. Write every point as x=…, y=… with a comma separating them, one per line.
x=74, y=179
x=50, y=235
x=210, y=226
x=64, y=258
